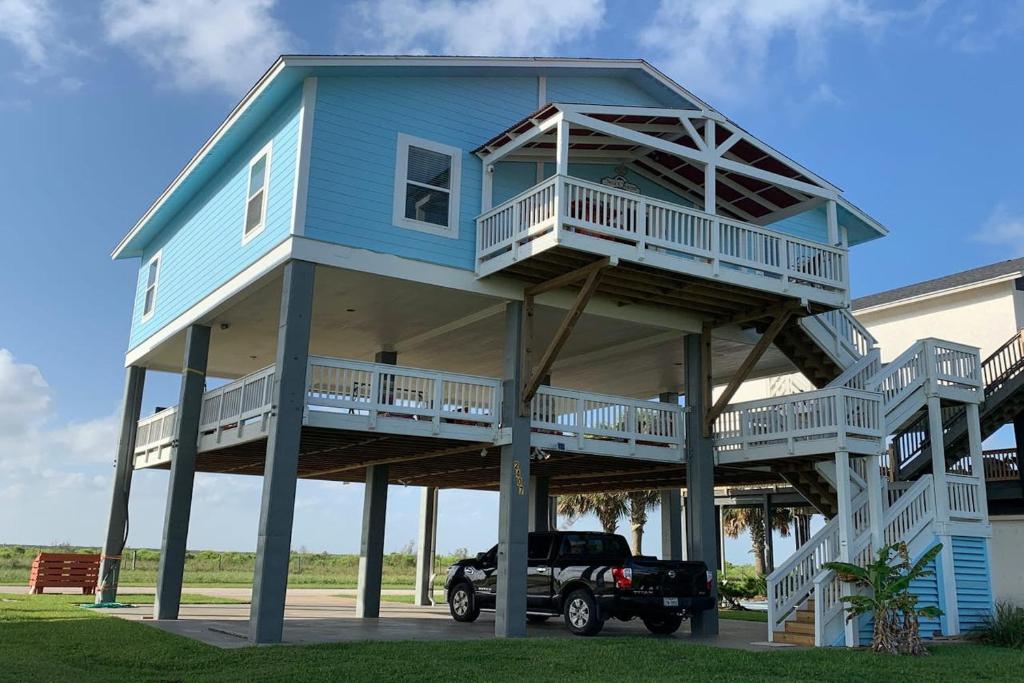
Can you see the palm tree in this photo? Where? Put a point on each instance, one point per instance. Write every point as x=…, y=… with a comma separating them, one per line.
x=610, y=507
x=639, y=504
x=738, y=520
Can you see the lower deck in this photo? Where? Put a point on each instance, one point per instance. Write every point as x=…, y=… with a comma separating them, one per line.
x=444, y=429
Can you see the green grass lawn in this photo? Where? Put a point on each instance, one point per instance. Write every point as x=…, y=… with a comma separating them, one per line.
x=48, y=637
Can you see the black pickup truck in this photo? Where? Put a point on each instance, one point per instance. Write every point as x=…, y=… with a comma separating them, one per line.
x=586, y=577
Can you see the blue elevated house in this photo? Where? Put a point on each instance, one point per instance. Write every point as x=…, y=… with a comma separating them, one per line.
x=476, y=273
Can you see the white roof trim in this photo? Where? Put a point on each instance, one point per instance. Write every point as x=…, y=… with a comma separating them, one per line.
x=1008, y=277
x=222, y=129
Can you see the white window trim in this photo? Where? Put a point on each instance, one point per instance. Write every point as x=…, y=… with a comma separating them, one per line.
x=158, y=257
x=267, y=150
x=401, y=178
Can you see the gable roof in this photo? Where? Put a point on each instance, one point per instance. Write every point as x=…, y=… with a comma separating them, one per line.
x=288, y=72
x=1002, y=270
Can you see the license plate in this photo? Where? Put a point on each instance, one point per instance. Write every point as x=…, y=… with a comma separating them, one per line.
x=671, y=602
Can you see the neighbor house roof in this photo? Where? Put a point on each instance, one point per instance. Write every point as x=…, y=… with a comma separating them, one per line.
x=1002, y=270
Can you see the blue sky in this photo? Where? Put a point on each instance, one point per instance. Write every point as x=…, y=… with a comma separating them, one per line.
x=913, y=108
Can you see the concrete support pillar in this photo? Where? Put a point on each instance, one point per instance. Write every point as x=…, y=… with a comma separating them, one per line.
x=845, y=495
x=769, y=539
x=682, y=530
x=117, y=521
x=671, y=525
x=183, y=473
x=553, y=513
x=514, y=478
x=280, y=474
x=540, y=500
x=371, y=547
x=426, y=547
x=700, y=478
x=720, y=536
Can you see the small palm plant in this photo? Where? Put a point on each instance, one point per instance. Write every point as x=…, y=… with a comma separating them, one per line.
x=888, y=599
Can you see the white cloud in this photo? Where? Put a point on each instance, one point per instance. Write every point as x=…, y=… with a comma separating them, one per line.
x=982, y=27
x=1004, y=228
x=720, y=49
x=197, y=44
x=470, y=27
x=26, y=24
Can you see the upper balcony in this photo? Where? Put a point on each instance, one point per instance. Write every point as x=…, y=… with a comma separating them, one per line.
x=692, y=211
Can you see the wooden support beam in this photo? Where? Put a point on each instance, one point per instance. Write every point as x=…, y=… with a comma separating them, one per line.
x=745, y=368
x=705, y=370
x=538, y=373
x=570, y=277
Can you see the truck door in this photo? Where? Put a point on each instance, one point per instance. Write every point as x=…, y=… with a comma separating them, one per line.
x=538, y=572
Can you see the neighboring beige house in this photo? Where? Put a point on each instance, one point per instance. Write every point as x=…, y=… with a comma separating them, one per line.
x=983, y=307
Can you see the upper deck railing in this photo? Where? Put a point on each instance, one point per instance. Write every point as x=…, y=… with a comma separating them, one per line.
x=601, y=219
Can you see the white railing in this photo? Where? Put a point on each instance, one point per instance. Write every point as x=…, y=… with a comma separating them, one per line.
x=955, y=365
x=791, y=421
x=154, y=437
x=650, y=229
x=902, y=376
x=523, y=217
x=840, y=332
x=792, y=582
x=376, y=391
x=910, y=513
x=859, y=374
x=240, y=405
x=587, y=420
x=828, y=592
x=965, y=497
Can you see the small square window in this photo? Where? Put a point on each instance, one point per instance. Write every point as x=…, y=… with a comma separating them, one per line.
x=256, y=194
x=427, y=186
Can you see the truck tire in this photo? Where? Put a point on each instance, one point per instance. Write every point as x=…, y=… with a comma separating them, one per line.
x=462, y=603
x=663, y=625
x=581, y=614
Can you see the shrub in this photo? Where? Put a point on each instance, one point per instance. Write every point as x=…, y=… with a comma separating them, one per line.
x=1005, y=627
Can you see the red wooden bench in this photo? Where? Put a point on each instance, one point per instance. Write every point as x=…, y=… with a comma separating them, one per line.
x=64, y=570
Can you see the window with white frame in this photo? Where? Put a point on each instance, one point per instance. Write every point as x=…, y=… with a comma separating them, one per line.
x=152, y=280
x=256, y=194
x=427, y=176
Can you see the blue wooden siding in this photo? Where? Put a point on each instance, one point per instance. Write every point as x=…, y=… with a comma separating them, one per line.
x=601, y=90
x=928, y=595
x=973, y=581
x=202, y=246
x=352, y=165
x=811, y=225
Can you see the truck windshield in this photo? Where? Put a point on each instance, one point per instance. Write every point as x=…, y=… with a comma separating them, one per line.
x=593, y=545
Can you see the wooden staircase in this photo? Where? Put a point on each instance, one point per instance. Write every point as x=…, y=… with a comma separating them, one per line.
x=808, y=482
x=799, y=629
x=807, y=355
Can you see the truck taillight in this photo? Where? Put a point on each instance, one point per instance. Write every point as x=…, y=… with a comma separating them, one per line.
x=623, y=577
x=709, y=580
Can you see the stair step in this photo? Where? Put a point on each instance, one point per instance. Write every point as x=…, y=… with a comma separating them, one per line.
x=803, y=627
x=805, y=616
x=794, y=638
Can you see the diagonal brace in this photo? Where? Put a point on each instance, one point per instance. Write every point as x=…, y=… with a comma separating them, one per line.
x=776, y=326
x=593, y=273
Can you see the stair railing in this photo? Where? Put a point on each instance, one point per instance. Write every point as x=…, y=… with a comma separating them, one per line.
x=844, y=333
x=792, y=582
x=1005, y=364
x=911, y=513
x=858, y=375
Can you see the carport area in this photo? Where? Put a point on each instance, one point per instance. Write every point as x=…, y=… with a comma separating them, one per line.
x=329, y=616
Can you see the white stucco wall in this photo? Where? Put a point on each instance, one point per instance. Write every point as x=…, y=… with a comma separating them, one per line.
x=982, y=316
x=1008, y=558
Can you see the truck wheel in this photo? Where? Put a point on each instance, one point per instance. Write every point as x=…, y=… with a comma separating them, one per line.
x=581, y=617
x=462, y=603
x=664, y=625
